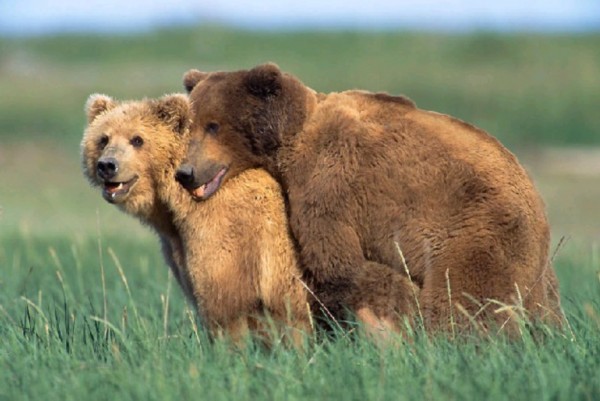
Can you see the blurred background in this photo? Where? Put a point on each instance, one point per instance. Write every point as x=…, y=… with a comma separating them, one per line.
x=528, y=72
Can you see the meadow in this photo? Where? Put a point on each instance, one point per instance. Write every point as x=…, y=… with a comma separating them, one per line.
x=88, y=309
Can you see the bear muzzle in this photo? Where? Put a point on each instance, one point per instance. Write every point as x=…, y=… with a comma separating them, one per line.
x=201, y=186
x=185, y=176
x=117, y=191
x=107, y=168
x=114, y=188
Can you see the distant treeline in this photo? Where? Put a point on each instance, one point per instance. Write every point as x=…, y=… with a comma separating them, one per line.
x=526, y=89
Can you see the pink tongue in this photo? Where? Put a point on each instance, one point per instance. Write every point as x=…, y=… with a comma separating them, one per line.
x=112, y=188
x=199, y=192
x=211, y=186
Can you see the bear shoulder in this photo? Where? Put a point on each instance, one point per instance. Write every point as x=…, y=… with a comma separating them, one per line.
x=256, y=188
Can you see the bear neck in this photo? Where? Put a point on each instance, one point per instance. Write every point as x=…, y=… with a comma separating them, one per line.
x=290, y=137
x=161, y=219
x=170, y=196
x=176, y=203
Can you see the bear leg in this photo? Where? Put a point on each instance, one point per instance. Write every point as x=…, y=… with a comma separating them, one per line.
x=476, y=285
x=343, y=279
x=384, y=298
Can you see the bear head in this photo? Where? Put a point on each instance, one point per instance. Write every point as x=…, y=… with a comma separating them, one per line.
x=240, y=120
x=131, y=149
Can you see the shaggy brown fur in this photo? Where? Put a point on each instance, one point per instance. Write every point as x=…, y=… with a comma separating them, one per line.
x=233, y=255
x=370, y=178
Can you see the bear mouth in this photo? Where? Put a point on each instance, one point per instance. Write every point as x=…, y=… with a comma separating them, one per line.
x=204, y=191
x=117, y=191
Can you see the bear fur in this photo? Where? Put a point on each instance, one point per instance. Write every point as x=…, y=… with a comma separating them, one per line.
x=382, y=196
x=233, y=256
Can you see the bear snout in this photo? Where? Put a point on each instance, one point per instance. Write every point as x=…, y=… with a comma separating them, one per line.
x=107, y=168
x=185, y=176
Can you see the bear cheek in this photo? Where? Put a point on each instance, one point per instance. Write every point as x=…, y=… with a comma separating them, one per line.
x=140, y=199
x=91, y=155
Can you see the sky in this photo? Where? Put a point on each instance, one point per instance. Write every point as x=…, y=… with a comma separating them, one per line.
x=26, y=17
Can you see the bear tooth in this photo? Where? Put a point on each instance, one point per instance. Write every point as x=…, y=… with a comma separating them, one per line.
x=120, y=185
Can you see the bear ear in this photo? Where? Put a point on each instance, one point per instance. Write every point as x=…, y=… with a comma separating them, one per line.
x=191, y=79
x=264, y=80
x=98, y=104
x=174, y=110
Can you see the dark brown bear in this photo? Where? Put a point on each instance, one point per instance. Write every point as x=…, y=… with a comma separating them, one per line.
x=370, y=179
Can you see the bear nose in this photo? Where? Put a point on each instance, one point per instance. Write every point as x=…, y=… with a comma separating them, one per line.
x=107, y=168
x=185, y=175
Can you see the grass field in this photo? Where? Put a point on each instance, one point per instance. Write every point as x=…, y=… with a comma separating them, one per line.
x=87, y=307
x=97, y=317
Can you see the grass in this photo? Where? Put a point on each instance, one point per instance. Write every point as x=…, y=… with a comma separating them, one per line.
x=66, y=337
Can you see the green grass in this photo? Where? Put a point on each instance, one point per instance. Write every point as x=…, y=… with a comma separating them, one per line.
x=524, y=88
x=58, y=341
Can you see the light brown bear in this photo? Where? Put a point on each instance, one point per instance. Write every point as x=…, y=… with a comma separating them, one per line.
x=233, y=256
x=371, y=179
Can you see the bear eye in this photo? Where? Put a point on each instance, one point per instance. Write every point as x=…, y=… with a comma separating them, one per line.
x=136, y=141
x=212, y=128
x=103, y=141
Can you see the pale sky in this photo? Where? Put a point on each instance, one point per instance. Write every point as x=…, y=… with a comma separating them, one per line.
x=39, y=16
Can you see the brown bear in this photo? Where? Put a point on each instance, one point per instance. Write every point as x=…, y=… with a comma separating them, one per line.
x=233, y=255
x=381, y=195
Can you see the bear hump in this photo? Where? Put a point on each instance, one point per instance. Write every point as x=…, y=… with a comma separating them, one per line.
x=399, y=99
